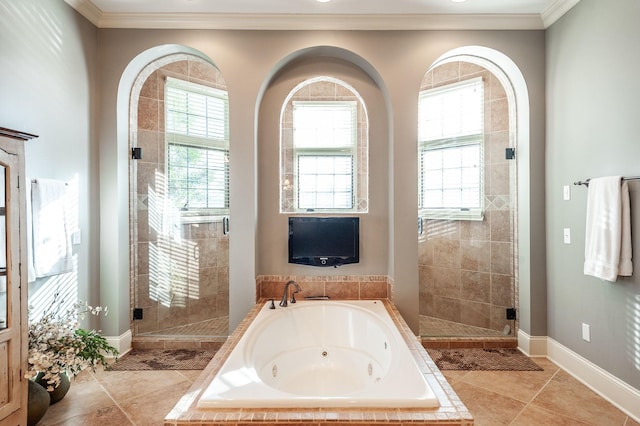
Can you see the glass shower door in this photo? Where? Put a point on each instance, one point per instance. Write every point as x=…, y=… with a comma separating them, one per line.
x=179, y=199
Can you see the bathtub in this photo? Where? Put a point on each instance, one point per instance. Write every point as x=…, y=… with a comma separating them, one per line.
x=320, y=354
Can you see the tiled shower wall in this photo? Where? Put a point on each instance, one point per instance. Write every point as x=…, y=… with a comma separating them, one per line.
x=180, y=271
x=467, y=267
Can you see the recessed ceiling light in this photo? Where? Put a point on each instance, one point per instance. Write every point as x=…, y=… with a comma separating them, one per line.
x=323, y=1
x=458, y=1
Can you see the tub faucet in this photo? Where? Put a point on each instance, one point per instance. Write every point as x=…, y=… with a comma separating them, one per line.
x=283, y=302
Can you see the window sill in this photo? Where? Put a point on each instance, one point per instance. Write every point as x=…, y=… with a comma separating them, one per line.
x=475, y=217
x=201, y=218
x=324, y=211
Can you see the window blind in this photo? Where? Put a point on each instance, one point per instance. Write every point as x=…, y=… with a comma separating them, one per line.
x=197, y=134
x=196, y=110
x=451, y=129
x=324, y=140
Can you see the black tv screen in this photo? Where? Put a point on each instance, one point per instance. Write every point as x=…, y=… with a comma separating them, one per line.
x=324, y=241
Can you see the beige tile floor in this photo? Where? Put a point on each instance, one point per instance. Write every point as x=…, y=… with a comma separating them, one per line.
x=549, y=397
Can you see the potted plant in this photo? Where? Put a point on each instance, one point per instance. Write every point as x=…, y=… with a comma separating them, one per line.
x=59, y=347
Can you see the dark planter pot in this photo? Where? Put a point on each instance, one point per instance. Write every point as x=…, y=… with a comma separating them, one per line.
x=39, y=401
x=59, y=392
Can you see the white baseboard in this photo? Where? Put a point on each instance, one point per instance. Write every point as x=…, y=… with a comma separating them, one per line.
x=533, y=346
x=605, y=384
x=122, y=343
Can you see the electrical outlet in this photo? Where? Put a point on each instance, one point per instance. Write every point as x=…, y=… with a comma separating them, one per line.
x=566, y=236
x=586, y=332
x=566, y=194
x=76, y=237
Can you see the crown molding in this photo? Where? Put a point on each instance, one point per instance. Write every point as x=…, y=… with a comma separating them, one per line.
x=322, y=22
x=556, y=11
x=87, y=9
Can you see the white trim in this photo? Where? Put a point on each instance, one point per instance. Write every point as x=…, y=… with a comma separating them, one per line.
x=556, y=11
x=533, y=346
x=122, y=343
x=304, y=22
x=285, y=21
x=320, y=22
x=87, y=9
x=619, y=393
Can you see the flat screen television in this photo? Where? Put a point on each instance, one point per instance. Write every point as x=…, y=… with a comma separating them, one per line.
x=324, y=241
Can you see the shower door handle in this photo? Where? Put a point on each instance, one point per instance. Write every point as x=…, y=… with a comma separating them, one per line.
x=225, y=225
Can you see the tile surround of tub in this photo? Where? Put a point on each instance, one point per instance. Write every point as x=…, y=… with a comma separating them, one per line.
x=452, y=412
x=343, y=287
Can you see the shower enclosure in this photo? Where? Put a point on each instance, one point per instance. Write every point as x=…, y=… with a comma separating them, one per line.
x=179, y=202
x=467, y=268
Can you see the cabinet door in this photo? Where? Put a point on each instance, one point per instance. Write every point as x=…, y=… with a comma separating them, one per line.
x=11, y=382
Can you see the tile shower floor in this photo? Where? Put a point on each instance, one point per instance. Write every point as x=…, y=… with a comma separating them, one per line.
x=549, y=397
x=212, y=327
x=430, y=326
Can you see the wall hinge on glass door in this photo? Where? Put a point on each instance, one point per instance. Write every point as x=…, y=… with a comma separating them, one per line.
x=510, y=153
x=136, y=153
x=137, y=313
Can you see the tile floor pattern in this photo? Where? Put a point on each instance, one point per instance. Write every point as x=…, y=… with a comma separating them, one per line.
x=210, y=328
x=549, y=397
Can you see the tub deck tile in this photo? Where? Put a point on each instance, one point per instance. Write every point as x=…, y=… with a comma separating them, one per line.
x=451, y=412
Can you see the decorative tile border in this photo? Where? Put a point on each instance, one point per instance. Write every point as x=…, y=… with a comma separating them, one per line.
x=452, y=412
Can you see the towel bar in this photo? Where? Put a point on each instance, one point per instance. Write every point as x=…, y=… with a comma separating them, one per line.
x=586, y=182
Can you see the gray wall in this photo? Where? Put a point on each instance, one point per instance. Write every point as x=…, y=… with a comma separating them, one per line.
x=48, y=81
x=592, y=130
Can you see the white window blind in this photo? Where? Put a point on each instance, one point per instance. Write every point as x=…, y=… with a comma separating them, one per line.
x=197, y=136
x=324, y=140
x=324, y=124
x=196, y=110
x=451, y=129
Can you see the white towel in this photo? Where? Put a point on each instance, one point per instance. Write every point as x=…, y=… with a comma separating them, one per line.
x=608, y=229
x=52, y=252
x=625, y=266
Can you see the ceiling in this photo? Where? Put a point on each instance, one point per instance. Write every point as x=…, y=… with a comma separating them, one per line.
x=335, y=14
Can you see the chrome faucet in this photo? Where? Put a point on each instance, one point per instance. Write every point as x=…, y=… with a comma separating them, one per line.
x=283, y=302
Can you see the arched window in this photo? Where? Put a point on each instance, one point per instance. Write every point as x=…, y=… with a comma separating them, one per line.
x=323, y=149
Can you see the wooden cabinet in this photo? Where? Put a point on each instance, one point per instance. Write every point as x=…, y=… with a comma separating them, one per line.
x=13, y=279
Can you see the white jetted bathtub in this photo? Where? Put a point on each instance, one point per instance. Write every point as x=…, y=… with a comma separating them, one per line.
x=320, y=354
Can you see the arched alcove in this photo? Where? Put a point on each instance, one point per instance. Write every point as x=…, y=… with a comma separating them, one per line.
x=348, y=67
